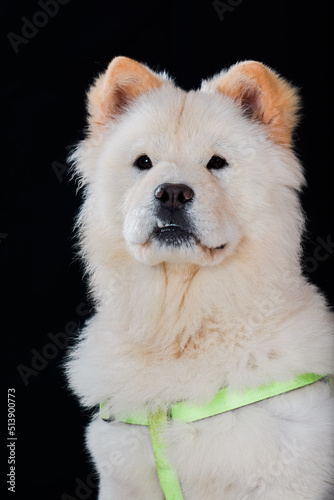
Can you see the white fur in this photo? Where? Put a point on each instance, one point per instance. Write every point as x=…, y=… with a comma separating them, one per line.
x=178, y=324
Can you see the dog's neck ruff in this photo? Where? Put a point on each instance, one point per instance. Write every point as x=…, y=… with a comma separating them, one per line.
x=225, y=400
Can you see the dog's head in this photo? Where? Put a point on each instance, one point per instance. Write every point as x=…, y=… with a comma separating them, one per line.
x=189, y=177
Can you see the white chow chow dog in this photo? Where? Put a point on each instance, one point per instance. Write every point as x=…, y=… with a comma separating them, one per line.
x=190, y=231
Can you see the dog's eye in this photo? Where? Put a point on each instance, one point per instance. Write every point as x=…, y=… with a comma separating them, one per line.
x=143, y=162
x=216, y=162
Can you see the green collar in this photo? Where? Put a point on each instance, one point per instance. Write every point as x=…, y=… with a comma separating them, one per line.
x=225, y=400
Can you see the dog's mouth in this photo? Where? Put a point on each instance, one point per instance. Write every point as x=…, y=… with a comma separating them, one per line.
x=173, y=235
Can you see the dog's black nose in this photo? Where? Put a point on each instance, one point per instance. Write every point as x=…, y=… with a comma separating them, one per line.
x=173, y=196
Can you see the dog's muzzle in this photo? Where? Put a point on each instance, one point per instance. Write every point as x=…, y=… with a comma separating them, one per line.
x=174, y=227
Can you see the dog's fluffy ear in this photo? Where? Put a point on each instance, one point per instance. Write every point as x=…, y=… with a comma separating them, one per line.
x=264, y=96
x=113, y=91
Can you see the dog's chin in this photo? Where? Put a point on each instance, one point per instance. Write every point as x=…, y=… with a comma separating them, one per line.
x=175, y=245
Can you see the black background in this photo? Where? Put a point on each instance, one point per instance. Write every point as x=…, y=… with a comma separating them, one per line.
x=44, y=86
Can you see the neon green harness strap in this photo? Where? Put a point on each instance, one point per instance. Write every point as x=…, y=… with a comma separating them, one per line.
x=168, y=479
x=225, y=400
